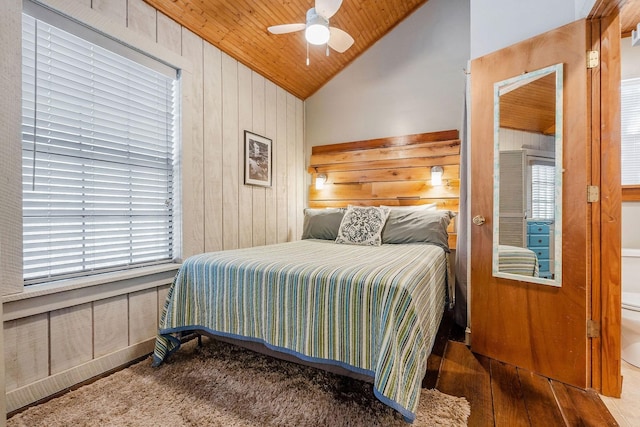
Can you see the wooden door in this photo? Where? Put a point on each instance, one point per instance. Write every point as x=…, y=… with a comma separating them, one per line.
x=540, y=328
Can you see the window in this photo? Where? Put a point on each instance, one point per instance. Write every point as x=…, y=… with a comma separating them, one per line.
x=98, y=138
x=542, y=189
x=630, y=131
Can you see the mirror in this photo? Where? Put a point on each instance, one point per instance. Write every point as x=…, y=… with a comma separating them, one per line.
x=527, y=198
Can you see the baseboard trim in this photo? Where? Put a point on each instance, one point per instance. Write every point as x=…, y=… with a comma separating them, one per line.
x=26, y=395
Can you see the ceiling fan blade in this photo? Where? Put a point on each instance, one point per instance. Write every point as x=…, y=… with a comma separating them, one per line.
x=339, y=40
x=286, y=28
x=327, y=8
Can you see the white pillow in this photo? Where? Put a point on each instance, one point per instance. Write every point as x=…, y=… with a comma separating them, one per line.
x=362, y=225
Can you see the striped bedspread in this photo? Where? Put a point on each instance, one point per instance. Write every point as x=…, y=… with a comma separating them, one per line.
x=515, y=260
x=372, y=310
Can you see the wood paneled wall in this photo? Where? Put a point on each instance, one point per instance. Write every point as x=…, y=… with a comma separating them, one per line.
x=51, y=346
x=10, y=164
x=11, y=158
x=53, y=341
x=393, y=171
x=3, y=403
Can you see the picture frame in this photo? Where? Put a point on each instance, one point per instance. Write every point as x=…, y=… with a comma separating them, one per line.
x=257, y=159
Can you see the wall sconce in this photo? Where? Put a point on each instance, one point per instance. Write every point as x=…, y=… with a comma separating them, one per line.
x=320, y=180
x=436, y=175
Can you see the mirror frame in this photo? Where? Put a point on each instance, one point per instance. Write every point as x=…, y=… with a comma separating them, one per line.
x=557, y=233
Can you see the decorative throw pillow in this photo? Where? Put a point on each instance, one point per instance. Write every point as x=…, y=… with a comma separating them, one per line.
x=362, y=226
x=322, y=223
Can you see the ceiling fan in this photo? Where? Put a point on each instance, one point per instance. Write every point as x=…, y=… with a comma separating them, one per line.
x=317, y=29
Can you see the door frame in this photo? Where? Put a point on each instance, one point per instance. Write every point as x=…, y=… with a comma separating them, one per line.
x=606, y=214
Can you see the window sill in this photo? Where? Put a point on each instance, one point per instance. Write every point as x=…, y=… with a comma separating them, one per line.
x=66, y=294
x=631, y=193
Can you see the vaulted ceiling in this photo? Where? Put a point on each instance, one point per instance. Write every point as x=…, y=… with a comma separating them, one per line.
x=239, y=28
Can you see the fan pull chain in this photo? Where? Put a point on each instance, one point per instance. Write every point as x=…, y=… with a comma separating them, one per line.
x=307, y=54
x=327, y=49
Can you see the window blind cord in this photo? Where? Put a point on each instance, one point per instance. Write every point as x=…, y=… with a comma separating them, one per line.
x=35, y=109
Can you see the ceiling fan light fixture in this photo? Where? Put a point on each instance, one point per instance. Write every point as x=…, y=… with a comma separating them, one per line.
x=317, y=34
x=317, y=31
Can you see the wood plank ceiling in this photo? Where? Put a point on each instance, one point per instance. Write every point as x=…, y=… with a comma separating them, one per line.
x=531, y=107
x=629, y=17
x=239, y=28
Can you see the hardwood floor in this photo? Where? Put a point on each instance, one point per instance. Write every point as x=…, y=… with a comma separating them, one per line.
x=499, y=394
x=504, y=395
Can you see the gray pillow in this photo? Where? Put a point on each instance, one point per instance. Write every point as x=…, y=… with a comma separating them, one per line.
x=322, y=223
x=428, y=226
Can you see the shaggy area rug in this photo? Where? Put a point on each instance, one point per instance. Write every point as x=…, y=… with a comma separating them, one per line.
x=220, y=384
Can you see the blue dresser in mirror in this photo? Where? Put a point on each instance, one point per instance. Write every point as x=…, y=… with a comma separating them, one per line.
x=540, y=240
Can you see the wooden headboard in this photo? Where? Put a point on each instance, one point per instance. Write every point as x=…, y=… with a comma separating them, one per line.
x=393, y=171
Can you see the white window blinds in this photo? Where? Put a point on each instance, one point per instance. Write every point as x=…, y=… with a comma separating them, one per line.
x=630, y=138
x=542, y=190
x=98, y=133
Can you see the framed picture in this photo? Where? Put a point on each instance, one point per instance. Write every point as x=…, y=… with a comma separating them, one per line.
x=257, y=160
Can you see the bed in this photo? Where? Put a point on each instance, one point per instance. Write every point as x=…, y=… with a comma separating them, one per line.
x=516, y=260
x=371, y=310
